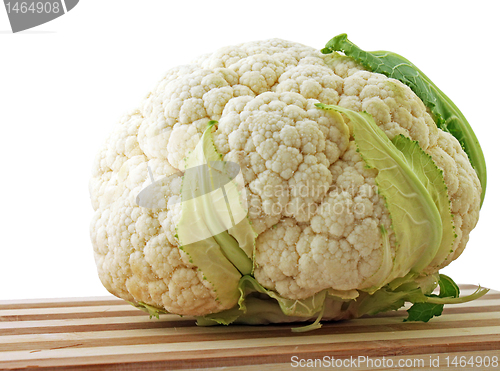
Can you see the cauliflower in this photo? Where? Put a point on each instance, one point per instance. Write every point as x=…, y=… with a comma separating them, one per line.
x=357, y=178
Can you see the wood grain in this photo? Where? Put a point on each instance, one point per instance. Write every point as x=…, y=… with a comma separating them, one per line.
x=106, y=333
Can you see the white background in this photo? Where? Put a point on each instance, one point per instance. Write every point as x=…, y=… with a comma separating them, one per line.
x=64, y=84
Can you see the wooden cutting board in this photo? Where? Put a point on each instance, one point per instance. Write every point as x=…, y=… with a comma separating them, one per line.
x=106, y=333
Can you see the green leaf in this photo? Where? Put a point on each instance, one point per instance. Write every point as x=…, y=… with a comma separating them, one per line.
x=449, y=293
x=447, y=287
x=211, y=206
x=258, y=306
x=272, y=309
x=225, y=317
x=149, y=309
x=258, y=311
x=313, y=326
x=433, y=180
x=381, y=301
x=446, y=114
x=416, y=220
x=290, y=307
x=423, y=312
x=433, y=306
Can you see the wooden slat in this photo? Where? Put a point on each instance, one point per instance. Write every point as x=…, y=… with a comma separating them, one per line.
x=105, y=333
x=343, y=326
x=186, y=335
x=59, y=310
x=240, y=342
x=60, y=302
x=262, y=355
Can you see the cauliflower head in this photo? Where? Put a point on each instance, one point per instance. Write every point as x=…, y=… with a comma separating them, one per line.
x=321, y=224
